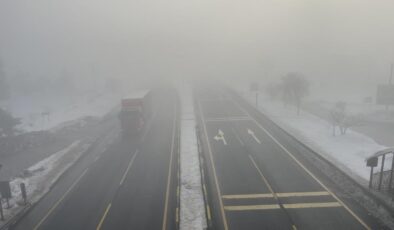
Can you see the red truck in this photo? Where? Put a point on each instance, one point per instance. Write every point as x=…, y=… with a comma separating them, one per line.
x=134, y=113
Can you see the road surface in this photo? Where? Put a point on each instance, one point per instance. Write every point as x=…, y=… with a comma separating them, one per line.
x=256, y=179
x=132, y=185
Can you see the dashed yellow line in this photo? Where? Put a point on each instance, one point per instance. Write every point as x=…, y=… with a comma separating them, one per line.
x=177, y=215
x=103, y=217
x=209, y=213
x=164, y=224
x=286, y=206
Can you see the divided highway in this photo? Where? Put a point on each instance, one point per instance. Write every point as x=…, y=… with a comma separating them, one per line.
x=132, y=185
x=255, y=180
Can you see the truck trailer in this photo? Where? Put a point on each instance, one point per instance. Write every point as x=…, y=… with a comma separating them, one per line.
x=135, y=112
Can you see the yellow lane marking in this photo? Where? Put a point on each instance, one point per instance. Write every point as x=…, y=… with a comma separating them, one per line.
x=60, y=200
x=252, y=207
x=164, y=226
x=213, y=169
x=128, y=167
x=227, y=119
x=205, y=190
x=248, y=196
x=287, y=206
x=209, y=213
x=304, y=168
x=294, y=227
x=269, y=195
x=313, y=205
x=103, y=218
x=302, y=194
x=177, y=215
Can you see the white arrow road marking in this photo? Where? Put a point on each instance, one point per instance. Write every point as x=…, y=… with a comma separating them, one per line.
x=220, y=137
x=250, y=132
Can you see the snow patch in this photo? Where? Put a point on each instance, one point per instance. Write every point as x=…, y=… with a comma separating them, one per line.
x=192, y=214
x=39, y=178
x=43, y=112
x=348, y=151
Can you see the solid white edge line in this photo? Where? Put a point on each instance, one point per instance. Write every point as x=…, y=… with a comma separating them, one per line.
x=128, y=167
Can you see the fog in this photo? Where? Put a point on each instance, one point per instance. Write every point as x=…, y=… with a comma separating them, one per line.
x=343, y=47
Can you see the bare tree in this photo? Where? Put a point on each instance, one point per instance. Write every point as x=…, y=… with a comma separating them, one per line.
x=295, y=88
x=273, y=91
x=342, y=120
x=338, y=114
x=351, y=121
x=7, y=123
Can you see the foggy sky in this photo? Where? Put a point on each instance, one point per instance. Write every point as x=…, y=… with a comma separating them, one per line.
x=341, y=45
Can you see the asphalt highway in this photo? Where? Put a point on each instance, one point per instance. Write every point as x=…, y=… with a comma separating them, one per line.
x=256, y=179
x=132, y=185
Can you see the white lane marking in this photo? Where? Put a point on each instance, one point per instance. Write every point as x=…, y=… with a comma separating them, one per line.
x=237, y=136
x=223, y=214
x=97, y=157
x=228, y=119
x=128, y=167
x=61, y=199
x=220, y=137
x=250, y=132
x=149, y=125
x=304, y=168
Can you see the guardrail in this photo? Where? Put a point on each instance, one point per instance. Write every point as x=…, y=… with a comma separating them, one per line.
x=13, y=220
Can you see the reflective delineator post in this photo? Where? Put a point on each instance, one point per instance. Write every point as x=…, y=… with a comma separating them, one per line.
x=370, y=177
x=381, y=172
x=23, y=191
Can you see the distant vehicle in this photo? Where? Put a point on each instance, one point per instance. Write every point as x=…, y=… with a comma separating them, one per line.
x=135, y=112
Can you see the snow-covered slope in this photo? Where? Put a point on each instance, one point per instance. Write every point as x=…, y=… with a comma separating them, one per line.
x=43, y=112
x=347, y=151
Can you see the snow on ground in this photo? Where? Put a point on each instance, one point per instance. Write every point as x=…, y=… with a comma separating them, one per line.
x=192, y=216
x=43, y=112
x=370, y=111
x=40, y=177
x=347, y=151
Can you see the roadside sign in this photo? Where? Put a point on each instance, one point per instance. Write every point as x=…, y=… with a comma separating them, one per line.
x=5, y=190
x=385, y=95
x=372, y=162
